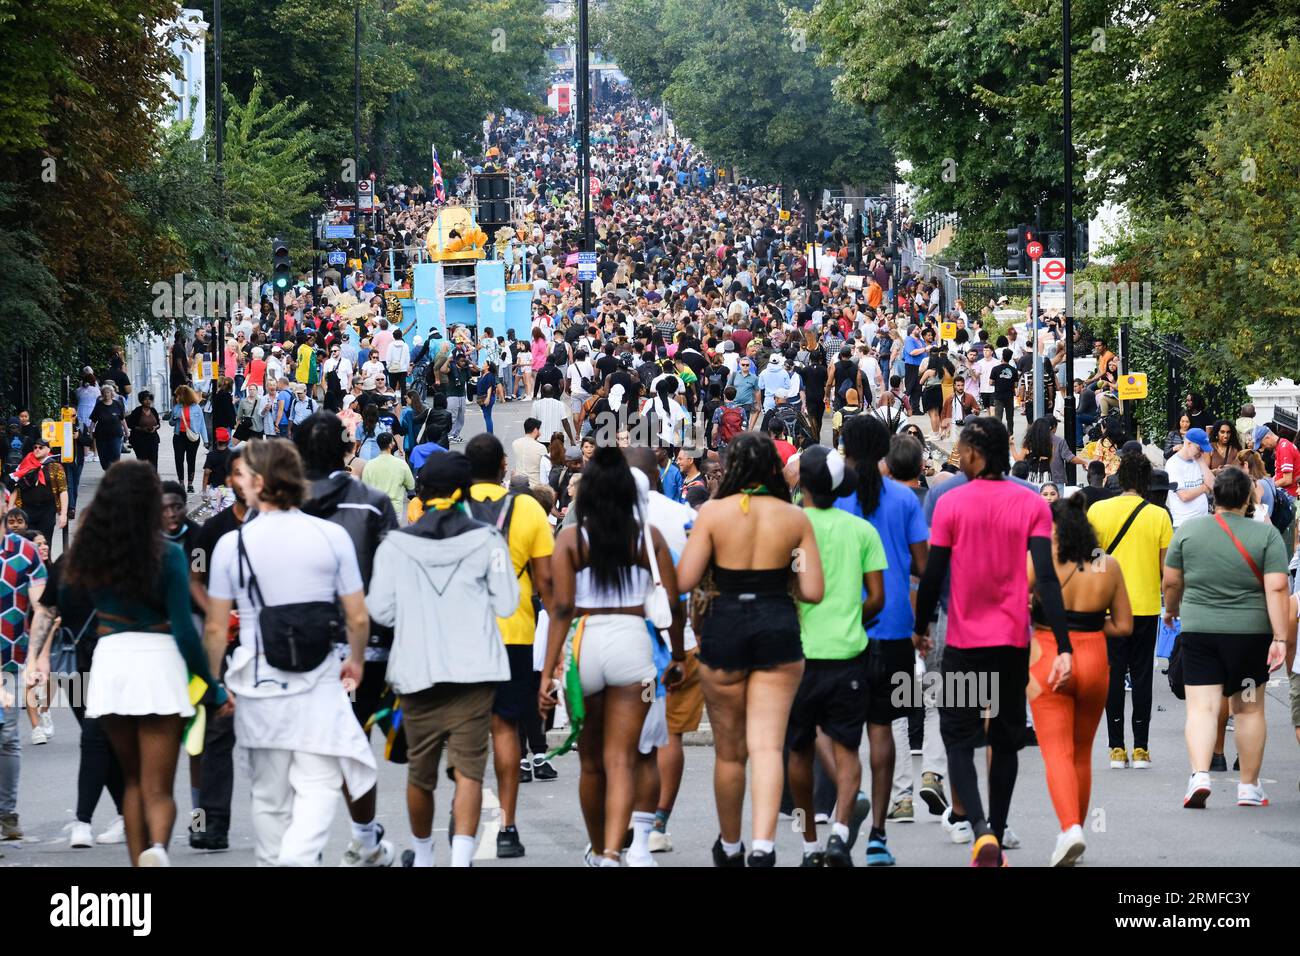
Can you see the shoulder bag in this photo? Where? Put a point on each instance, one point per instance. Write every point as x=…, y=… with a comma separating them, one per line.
x=293, y=637
x=658, y=609
x=1123, y=529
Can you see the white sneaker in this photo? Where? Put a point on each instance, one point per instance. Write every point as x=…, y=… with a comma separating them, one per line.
x=1009, y=839
x=659, y=842
x=39, y=736
x=81, y=837
x=1198, y=791
x=961, y=832
x=47, y=724
x=115, y=834
x=1251, y=795
x=154, y=856
x=381, y=855
x=640, y=861
x=1069, y=847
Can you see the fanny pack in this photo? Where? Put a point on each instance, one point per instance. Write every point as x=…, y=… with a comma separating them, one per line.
x=293, y=637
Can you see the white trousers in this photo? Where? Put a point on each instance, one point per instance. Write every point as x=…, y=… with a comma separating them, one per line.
x=295, y=796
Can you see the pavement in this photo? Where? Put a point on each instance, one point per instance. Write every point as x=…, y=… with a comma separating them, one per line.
x=1136, y=816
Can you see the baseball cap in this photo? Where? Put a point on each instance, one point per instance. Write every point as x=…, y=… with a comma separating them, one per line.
x=222, y=434
x=1201, y=440
x=1261, y=432
x=444, y=473
x=823, y=471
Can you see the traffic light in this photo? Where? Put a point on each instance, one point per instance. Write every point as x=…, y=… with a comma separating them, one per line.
x=281, y=266
x=1017, y=239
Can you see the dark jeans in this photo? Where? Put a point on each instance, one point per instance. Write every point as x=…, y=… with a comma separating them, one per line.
x=1082, y=422
x=72, y=470
x=187, y=453
x=532, y=736
x=146, y=447
x=109, y=451
x=98, y=768
x=1134, y=655
x=1006, y=411
x=912, y=383
x=217, y=774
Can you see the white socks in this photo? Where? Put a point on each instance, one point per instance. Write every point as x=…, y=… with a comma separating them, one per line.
x=841, y=830
x=462, y=850
x=764, y=846
x=423, y=850
x=731, y=849
x=813, y=847
x=642, y=824
x=367, y=834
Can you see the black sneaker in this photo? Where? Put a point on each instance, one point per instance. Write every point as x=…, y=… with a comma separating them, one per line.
x=508, y=845
x=408, y=858
x=720, y=857
x=525, y=771
x=1218, y=763
x=542, y=769
x=762, y=859
x=209, y=841
x=861, y=810
x=816, y=858
x=837, y=852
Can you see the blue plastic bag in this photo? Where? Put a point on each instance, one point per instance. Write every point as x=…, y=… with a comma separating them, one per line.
x=1165, y=637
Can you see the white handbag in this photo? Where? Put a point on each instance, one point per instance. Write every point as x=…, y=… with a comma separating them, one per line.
x=658, y=609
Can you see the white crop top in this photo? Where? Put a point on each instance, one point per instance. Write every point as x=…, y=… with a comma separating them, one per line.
x=587, y=593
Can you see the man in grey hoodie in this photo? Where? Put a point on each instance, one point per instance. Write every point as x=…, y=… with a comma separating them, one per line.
x=455, y=578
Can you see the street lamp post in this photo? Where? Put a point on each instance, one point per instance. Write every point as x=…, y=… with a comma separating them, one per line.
x=1068, y=239
x=581, y=69
x=356, y=124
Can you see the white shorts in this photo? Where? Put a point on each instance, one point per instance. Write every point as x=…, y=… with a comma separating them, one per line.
x=137, y=673
x=615, y=652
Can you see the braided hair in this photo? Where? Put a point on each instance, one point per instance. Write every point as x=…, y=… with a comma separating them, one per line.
x=988, y=436
x=866, y=441
x=752, y=460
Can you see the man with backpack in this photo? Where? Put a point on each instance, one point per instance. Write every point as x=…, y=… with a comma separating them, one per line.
x=729, y=420
x=527, y=531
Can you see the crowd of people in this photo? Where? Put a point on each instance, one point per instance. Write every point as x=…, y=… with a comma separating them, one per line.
x=721, y=500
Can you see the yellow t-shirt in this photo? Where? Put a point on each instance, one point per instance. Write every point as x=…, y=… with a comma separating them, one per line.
x=1139, y=553
x=303, y=370
x=530, y=537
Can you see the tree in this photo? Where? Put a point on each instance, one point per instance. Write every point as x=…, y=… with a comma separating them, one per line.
x=744, y=85
x=1230, y=260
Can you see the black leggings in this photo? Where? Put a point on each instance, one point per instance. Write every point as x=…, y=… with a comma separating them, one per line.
x=187, y=453
x=1134, y=655
x=532, y=736
x=98, y=768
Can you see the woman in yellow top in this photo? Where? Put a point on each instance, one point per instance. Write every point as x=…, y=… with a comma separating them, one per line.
x=305, y=370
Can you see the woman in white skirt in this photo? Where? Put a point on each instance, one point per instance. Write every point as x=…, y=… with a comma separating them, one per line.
x=302, y=740
x=147, y=649
x=602, y=575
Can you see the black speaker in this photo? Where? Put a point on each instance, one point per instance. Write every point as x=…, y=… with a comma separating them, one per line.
x=493, y=212
x=492, y=186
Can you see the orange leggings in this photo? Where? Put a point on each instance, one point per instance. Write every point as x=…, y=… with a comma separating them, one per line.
x=1066, y=721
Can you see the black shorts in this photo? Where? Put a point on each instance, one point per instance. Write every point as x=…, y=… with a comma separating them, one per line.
x=833, y=696
x=891, y=670
x=752, y=633
x=974, y=678
x=516, y=695
x=1237, y=661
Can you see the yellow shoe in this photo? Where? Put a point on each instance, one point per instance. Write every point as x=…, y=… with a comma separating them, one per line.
x=1141, y=758
x=986, y=852
x=1119, y=758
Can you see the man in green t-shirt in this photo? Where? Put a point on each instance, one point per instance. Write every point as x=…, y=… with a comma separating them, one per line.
x=833, y=692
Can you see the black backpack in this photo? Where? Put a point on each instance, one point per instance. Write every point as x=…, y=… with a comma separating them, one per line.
x=1283, y=510
x=499, y=514
x=560, y=354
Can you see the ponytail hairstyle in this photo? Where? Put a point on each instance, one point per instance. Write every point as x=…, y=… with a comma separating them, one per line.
x=866, y=441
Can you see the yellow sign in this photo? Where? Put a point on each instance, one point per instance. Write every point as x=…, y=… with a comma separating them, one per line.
x=69, y=414
x=50, y=432
x=785, y=215
x=1132, y=386
x=948, y=331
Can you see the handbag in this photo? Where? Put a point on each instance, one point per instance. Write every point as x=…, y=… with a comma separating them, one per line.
x=658, y=609
x=188, y=431
x=293, y=637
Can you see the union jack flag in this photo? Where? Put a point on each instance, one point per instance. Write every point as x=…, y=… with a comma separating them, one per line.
x=439, y=190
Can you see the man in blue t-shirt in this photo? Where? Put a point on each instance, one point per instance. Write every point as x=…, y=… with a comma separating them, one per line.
x=895, y=512
x=915, y=351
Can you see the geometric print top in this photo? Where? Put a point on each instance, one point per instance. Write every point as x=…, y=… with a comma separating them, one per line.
x=20, y=567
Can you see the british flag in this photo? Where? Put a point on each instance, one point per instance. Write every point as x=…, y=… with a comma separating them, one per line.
x=439, y=190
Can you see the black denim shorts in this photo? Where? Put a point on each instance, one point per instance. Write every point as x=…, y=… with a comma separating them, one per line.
x=745, y=633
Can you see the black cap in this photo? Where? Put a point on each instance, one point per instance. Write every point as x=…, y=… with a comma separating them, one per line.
x=443, y=473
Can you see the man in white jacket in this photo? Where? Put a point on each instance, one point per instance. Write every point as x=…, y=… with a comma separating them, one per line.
x=399, y=363
x=455, y=578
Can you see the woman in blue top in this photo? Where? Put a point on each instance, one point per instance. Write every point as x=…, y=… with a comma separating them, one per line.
x=187, y=421
x=486, y=393
x=147, y=647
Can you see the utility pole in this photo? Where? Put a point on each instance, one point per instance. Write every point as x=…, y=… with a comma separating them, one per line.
x=356, y=124
x=1068, y=238
x=584, y=145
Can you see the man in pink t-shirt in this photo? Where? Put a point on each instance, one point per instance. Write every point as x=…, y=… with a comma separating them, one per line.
x=382, y=340
x=981, y=532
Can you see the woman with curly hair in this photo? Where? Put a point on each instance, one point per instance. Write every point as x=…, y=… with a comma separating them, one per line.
x=751, y=655
x=139, y=685
x=1066, y=716
x=1226, y=444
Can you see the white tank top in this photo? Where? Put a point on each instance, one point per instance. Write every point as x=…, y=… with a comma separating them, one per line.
x=587, y=593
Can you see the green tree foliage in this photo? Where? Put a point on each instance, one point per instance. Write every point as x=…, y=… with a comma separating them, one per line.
x=744, y=84
x=1229, y=261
